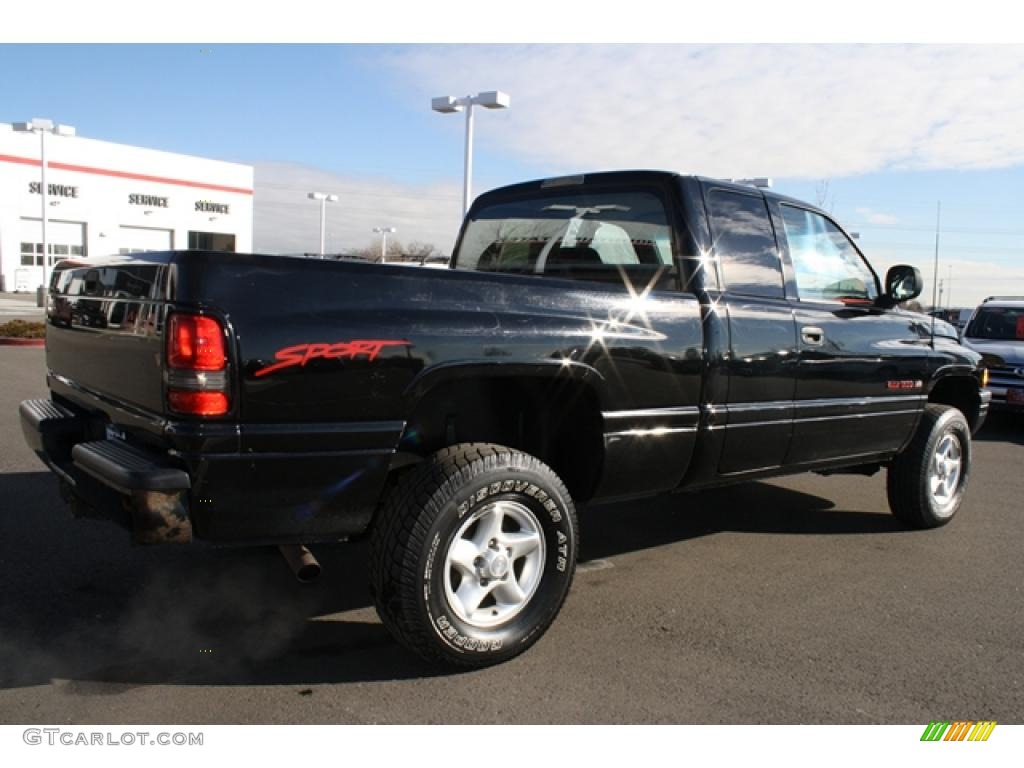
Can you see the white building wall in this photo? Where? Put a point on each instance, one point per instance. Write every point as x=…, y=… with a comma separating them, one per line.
x=95, y=182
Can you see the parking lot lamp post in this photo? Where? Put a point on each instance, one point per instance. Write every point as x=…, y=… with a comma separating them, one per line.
x=324, y=199
x=383, y=231
x=43, y=126
x=449, y=104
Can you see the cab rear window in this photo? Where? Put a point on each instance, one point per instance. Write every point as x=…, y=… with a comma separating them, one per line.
x=579, y=235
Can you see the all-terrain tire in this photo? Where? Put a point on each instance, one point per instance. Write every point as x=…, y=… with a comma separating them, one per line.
x=926, y=482
x=474, y=520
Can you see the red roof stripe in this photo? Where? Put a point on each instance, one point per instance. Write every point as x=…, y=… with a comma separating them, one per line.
x=123, y=174
x=22, y=160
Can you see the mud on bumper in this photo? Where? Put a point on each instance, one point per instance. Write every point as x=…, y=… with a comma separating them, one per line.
x=109, y=479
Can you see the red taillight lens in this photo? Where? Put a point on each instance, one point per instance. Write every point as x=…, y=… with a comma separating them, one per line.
x=198, y=403
x=195, y=343
x=196, y=366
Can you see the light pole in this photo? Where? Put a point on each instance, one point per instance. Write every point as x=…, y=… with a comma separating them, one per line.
x=324, y=198
x=449, y=104
x=383, y=231
x=43, y=126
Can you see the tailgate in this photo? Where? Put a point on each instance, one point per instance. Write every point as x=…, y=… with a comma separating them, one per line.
x=104, y=331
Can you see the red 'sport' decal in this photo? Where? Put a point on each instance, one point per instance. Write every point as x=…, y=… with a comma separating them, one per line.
x=300, y=354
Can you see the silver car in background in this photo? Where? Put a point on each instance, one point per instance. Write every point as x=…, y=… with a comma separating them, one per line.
x=996, y=331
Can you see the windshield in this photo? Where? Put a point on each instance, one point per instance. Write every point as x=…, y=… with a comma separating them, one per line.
x=998, y=324
x=578, y=234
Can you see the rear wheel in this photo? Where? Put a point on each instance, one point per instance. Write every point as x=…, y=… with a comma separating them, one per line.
x=926, y=482
x=473, y=554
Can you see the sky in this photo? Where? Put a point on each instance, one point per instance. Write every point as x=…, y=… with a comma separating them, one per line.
x=878, y=134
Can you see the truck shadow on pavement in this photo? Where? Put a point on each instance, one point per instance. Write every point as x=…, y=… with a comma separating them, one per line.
x=752, y=507
x=83, y=610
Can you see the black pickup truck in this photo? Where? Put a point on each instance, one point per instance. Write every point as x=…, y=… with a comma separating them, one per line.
x=605, y=336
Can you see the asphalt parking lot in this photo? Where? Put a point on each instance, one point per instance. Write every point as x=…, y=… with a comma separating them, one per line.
x=793, y=601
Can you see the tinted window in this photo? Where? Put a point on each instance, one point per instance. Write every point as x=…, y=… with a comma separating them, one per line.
x=826, y=264
x=579, y=234
x=997, y=323
x=744, y=243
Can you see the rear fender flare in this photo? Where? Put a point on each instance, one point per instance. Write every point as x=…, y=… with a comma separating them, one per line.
x=438, y=375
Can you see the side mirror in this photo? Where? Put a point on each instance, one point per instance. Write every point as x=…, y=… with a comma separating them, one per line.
x=903, y=283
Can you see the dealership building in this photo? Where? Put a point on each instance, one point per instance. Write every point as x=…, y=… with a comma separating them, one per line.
x=107, y=198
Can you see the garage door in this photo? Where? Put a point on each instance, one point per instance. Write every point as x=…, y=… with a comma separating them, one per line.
x=138, y=239
x=64, y=238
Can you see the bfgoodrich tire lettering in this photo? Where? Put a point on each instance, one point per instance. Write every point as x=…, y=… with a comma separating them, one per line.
x=473, y=554
x=926, y=482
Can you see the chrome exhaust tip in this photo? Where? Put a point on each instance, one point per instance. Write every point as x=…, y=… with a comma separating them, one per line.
x=301, y=561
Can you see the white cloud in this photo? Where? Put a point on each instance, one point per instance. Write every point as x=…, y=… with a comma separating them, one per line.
x=786, y=111
x=970, y=280
x=876, y=217
x=286, y=221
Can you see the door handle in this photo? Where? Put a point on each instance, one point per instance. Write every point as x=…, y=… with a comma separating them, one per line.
x=812, y=335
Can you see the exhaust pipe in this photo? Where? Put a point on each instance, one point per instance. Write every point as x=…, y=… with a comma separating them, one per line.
x=301, y=561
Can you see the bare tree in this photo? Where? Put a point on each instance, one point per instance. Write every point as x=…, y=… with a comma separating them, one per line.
x=420, y=251
x=395, y=250
x=371, y=251
x=416, y=251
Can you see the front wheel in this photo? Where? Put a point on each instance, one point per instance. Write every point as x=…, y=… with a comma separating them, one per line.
x=926, y=482
x=473, y=554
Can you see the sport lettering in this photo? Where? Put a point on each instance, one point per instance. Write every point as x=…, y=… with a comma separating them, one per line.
x=300, y=354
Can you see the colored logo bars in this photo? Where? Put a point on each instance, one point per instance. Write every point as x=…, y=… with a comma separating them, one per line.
x=959, y=730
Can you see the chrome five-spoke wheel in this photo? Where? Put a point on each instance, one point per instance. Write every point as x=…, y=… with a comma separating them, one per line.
x=473, y=553
x=926, y=481
x=944, y=477
x=494, y=563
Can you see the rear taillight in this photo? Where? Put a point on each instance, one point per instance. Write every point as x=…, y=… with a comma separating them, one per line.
x=195, y=343
x=198, y=403
x=197, y=364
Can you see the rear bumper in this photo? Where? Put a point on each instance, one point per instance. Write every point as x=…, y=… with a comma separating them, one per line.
x=225, y=483
x=109, y=479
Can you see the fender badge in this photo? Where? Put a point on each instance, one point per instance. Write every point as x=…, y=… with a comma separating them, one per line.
x=904, y=384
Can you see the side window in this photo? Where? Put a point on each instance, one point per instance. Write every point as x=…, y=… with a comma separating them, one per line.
x=827, y=266
x=745, y=244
